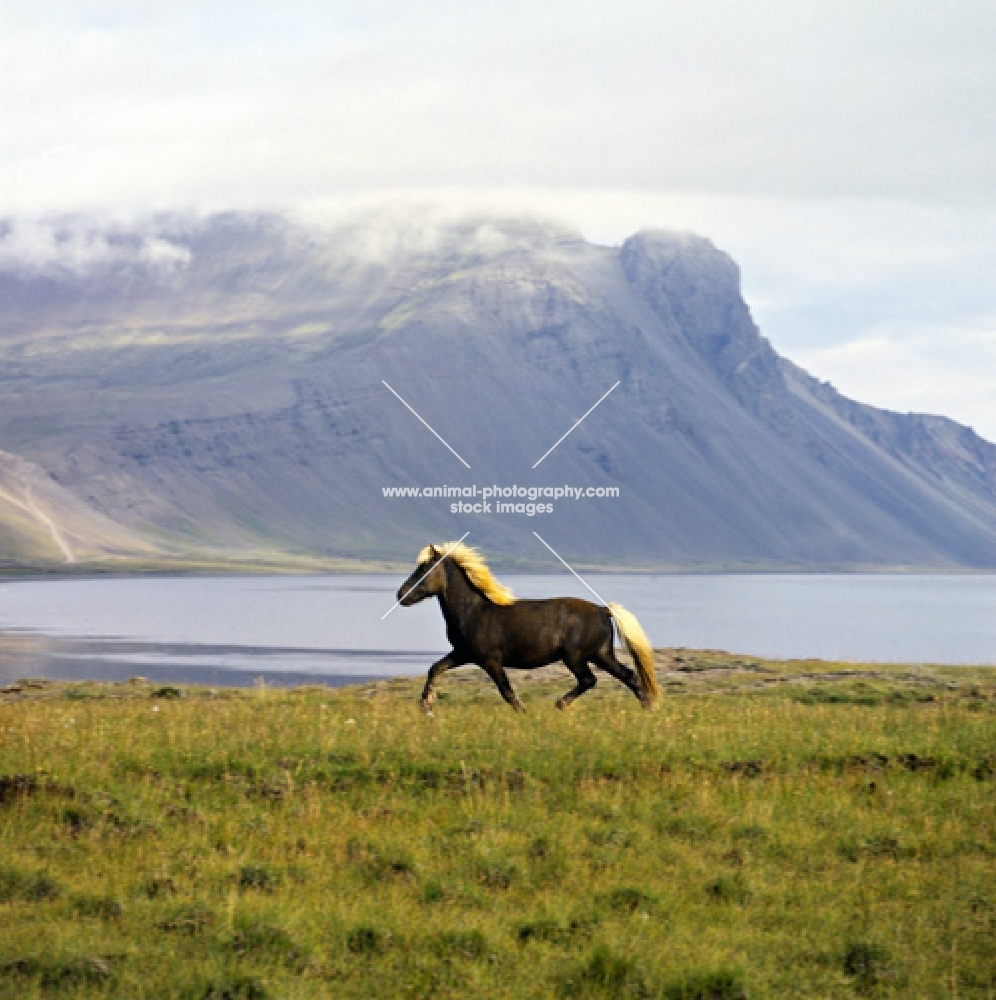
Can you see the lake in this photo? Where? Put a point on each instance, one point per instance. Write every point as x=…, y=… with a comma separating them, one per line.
x=290, y=630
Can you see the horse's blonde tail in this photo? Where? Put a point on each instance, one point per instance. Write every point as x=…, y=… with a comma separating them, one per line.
x=639, y=648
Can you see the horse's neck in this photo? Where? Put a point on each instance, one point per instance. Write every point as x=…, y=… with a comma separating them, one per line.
x=459, y=602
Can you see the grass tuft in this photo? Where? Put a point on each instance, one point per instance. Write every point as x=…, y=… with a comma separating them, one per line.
x=30, y=887
x=867, y=964
x=723, y=984
x=728, y=889
x=628, y=899
x=433, y=892
x=234, y=987
x=188, y=918
x=257, y=877
x=366, y=940
x=467, y=944
x=255, y=937
x=607, y=973
x=16, y=786
x=102, y=907
x=58, y=974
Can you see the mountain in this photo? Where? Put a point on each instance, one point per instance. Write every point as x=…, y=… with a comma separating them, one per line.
x=213, y=388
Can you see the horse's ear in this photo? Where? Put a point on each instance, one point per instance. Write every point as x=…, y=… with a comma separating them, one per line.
x=435, y=552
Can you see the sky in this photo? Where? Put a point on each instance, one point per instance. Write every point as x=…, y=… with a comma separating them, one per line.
x=843, y=153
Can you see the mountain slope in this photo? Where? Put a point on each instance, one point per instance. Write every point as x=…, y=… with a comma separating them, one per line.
x=216, y=385
x=42, y=522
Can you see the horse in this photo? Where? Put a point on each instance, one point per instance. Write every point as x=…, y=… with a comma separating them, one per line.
x=488, y=626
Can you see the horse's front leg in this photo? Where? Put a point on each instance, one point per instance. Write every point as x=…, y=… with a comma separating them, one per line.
x=496, y=672
x=449, y=661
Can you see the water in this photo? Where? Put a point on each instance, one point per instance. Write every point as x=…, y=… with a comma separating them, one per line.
x=292, y=630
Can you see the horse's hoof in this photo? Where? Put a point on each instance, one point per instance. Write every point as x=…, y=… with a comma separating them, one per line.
x=427, y=708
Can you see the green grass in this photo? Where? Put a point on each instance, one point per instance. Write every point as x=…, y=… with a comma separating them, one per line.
x=772, y=830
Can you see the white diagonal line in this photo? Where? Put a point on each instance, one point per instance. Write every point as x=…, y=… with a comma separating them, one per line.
x=558, y=442
x=441, y=439
x=592, y=589
x=427, y=572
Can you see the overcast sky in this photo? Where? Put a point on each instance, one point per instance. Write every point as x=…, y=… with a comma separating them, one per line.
x=843, y=152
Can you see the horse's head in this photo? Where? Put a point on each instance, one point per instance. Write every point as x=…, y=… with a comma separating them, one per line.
x=427, y=579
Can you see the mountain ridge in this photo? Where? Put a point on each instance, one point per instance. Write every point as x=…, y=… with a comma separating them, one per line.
x=214, y=386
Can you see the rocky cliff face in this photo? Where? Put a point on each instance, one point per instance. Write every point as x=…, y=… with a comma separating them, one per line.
x=217, y=386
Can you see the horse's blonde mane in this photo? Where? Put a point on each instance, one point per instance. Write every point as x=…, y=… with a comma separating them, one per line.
x=472, y=563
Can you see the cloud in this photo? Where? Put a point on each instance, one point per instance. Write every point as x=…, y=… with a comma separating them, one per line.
x=162, y=255
x=947, y=371
x=79, y=245
x=207, y=103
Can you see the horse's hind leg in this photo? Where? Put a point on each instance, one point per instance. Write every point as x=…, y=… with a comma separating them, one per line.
x=586, y=680
x=606, y=659
x=439, y=667
x=497, y=673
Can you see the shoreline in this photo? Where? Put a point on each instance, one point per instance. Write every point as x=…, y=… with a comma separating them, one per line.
x=343, y=567
x=679, y=671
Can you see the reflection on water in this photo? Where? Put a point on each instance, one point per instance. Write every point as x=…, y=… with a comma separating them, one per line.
x=293, y=630
x=31, y=655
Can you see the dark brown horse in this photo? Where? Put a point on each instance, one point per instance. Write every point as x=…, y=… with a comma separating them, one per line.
x=487, y=626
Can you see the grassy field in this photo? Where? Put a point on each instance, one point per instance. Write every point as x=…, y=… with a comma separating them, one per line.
x=773, y=830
